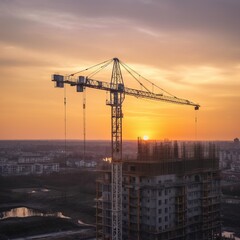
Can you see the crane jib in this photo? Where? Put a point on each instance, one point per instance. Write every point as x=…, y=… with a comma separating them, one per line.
x=82, y=81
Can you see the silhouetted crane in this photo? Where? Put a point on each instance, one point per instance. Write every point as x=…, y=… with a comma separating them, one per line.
x=117, y=91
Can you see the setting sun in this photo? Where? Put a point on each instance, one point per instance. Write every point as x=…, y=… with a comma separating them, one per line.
x=145, y=138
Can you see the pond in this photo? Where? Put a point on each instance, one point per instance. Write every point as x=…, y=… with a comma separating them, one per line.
x=28, y=212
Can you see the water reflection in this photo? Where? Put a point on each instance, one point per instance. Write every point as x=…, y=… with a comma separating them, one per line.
x=39, y=190
x=28, y=212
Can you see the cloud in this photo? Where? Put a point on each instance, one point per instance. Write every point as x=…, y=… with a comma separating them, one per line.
x=190, y=48
x=199, y=30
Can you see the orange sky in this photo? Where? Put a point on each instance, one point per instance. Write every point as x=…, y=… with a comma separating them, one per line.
x=189, y=48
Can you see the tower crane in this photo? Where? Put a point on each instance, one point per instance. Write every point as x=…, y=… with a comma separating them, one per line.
x=117, y=91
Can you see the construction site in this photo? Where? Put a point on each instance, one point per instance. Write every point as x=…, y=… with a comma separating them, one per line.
x=171, y=191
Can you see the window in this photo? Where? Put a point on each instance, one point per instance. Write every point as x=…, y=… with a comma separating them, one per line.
x=166, y=218
x=159, y=220
x=166, y=201
x=166, y=210
x=197, y=178
x=159, y=211
x=159, y=202
x=133, y=168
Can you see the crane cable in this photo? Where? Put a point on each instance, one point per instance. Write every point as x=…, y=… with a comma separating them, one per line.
x=99, y=69
x=86, y=69
x=102, y=66
x=65, y=123
x=196, y=125
x=153, y=84
x=84, y=124
x=124, y=66
x=128, y=69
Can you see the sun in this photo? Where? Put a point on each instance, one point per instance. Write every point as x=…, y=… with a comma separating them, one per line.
x=145, y=137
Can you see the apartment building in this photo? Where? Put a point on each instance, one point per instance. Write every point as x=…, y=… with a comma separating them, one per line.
x=171, y=191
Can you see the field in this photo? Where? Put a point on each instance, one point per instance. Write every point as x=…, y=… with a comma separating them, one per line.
x=70, y=193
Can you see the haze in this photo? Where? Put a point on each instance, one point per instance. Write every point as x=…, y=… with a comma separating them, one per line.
x=189, y=48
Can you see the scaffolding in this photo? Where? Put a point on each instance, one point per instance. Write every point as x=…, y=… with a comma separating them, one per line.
x=189, y=170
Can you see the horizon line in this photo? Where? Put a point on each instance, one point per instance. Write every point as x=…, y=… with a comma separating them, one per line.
x=195, y=140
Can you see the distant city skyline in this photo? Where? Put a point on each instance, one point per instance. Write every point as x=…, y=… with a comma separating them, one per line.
x=189, y=48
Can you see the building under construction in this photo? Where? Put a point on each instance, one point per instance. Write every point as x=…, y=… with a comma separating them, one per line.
x=171, y=191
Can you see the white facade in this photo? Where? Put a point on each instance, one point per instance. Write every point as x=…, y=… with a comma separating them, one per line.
x=9, y=169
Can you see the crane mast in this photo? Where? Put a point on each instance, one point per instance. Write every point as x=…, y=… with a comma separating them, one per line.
x=116, y=100
x=117, y=94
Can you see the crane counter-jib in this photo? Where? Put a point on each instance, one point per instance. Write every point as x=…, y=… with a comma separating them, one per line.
x=81, y=82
